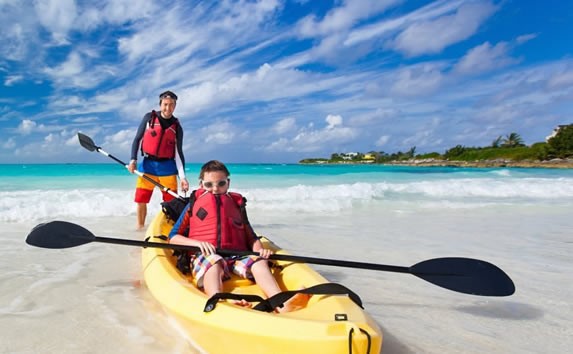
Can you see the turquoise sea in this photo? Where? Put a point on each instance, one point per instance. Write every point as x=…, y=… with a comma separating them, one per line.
x=68, y=301
x=313, y=188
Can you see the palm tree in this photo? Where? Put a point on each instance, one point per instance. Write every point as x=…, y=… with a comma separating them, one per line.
x=411, y=152
x=497, y=142
x=513, y=140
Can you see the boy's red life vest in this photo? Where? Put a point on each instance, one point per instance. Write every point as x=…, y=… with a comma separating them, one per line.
x=217, y=218
x=158, y=142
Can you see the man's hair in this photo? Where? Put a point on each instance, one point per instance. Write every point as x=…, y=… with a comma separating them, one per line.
x=167, y=94
x=213, y=166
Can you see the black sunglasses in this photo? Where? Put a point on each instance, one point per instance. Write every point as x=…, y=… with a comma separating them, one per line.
x=221, y=183
x=168, y=94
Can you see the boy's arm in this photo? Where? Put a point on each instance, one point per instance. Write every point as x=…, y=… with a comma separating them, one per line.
x=177, y=229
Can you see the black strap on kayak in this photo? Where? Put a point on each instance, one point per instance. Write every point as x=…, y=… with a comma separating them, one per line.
x=350, y=340
x=212, y=302
x=278, y=300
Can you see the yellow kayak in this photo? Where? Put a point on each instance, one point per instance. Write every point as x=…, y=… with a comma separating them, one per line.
x=327, y=324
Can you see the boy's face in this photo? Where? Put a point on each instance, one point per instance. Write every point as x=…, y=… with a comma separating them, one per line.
x=216, y=182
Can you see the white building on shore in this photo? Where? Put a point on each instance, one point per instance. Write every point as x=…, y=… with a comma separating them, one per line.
x=556, y=130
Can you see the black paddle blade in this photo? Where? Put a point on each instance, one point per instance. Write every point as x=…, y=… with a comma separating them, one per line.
x=59, y=234
x=465, y=275
x=87, y=142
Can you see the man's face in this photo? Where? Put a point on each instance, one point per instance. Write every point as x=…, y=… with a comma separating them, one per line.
x=167, y=107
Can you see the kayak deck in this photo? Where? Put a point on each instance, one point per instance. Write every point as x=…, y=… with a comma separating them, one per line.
x=328, y=323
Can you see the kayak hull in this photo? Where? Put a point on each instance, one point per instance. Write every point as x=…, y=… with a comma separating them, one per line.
x=328, y=324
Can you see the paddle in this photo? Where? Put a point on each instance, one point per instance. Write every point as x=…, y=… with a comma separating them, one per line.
x=464, y=275
x=89, y=144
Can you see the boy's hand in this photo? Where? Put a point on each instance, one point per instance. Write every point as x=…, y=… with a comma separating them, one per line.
x=265, y=253
x=207, y=248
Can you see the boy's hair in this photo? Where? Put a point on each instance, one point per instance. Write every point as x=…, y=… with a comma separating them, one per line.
x=213, y=166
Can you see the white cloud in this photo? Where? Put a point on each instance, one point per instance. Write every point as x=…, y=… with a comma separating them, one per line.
x=122, y=136
x=284, y=125
x=386, y=27
x=418, y=80
x=26, y=126
x=9, y=144
x=70, y=68
x=562, y=79
x=526, y=38
x=57, y=16
x=333, y=121
x=483, y=58
x=21, y=35
x=343, y=17
x=12, y=79
x=266, y=84
x=219, y=133
x=383, y=140
x=309, y=139
x=430, y=37
x=76, y=72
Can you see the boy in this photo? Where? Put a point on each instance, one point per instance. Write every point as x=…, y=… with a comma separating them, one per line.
x=218, y=221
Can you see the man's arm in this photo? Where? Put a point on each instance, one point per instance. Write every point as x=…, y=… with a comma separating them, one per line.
x=179, y=156
x=139, y=135
x=137, y=141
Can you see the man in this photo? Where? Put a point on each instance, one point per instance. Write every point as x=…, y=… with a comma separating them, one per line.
x=160, y=139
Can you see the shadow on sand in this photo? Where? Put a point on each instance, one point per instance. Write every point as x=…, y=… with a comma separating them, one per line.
x=504, y=310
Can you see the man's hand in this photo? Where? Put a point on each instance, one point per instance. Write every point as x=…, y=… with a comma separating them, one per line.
x=131, y=166
x=184, y=185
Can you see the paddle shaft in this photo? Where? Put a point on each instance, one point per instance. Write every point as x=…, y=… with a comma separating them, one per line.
x=278, y=257
x=464, y=275
x=162, y=187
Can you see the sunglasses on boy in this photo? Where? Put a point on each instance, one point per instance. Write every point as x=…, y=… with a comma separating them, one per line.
x=221, y=183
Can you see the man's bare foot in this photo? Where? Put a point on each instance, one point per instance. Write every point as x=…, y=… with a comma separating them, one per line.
x=140, y=228
x=297, y=302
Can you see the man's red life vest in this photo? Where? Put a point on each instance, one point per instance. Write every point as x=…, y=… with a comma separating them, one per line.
x=216, y=218
x=158, y=142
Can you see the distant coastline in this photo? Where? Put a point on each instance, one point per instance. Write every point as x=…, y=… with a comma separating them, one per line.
x=554, y=163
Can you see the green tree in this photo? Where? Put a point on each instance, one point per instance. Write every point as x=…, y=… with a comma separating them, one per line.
x=497, y=142
x=454, y=152
x=513, y=140
x=359, y=156
x=540, y=150
x=411, y=153
x=562, y=143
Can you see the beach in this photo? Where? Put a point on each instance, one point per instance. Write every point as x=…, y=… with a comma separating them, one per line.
x=91, y=299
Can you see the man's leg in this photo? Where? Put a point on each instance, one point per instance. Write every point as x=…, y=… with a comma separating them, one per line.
x=143, y=192
x=141, y=215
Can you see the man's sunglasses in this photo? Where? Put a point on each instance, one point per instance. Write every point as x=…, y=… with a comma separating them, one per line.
x=221, y=183
x=168, y=94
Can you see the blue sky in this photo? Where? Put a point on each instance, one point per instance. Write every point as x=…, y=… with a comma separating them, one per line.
x=277, y=81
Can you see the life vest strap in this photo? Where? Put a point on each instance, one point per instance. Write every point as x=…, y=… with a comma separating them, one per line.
x=155, y=158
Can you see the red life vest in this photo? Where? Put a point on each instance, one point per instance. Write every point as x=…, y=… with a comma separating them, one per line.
x=158, y=142
x=217, y=219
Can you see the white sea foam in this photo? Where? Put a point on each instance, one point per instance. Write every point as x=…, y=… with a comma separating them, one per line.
x=459, y=193
x=53, y=204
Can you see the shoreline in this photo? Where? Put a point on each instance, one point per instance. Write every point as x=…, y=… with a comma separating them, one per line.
x=555, y=163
